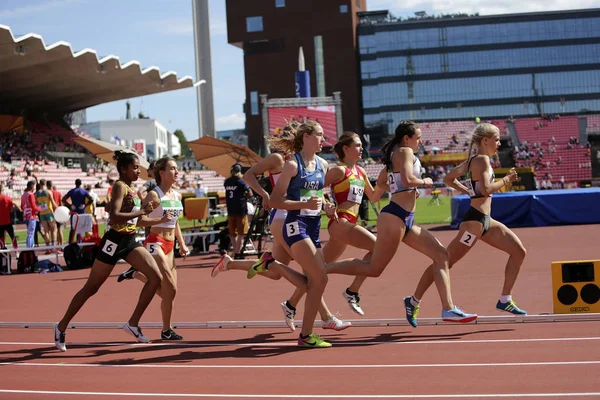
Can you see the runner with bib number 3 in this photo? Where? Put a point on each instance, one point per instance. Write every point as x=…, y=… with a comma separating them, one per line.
x=118, y=243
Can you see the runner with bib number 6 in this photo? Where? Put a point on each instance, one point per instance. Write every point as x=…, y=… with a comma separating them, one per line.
x=119, y=243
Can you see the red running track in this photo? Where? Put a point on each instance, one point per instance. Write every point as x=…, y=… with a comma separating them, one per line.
x=512, y=360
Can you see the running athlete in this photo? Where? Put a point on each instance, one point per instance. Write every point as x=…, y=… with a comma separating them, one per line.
x=299, y=190
x=396, y=221
x=273, y=165
x=119, y=243
x=476, y=224
x=161, y=240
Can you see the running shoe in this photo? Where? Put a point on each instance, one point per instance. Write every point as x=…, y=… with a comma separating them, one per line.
x=289, y=314
x=221, y=266
x=59, y=338
x=262, y=265
x=510, y=307
x=136, y=332
x=170, y=334
x=457, y=315
x=313, y=341
x=126, y=275
x=354, y=302
x=336, y=324
x=412, y=312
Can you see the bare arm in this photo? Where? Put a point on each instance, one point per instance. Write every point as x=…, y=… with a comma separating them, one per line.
x=451, y=179
x=278, y=199
x=272, y=162
x=406, y=159
x=374, y=193
x=51, y=197
x=482, y=165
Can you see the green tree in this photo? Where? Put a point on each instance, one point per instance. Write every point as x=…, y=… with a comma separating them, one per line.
x=185, y=149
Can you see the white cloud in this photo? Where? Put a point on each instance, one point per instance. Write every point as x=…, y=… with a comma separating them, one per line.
x=233, y=121
x=25, y=11
x=405, y=7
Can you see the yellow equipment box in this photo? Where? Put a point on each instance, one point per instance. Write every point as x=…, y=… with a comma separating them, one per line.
x=576, y=286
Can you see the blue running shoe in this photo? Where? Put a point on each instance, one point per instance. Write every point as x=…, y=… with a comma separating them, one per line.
x=457, y=315
x=412, y=312
x=510, y=307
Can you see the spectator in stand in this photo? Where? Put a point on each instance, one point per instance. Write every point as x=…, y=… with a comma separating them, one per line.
x=76, y=199
x=45, y=201
x=30, y=210
x=544, y=184
x=199, y=190
x=6, y=223
x=57, y=196
x=562, y=182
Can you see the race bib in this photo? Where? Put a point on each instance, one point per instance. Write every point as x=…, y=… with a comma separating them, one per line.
x=305, y=195
x=392, y=181
x=109, y=248
x=43, y=206
x=137, y=205
x=151, y=247
x=292, y=228
x=469, y=185
x=357, y=190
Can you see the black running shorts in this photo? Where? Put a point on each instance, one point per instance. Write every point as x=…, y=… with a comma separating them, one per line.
x=115, y=246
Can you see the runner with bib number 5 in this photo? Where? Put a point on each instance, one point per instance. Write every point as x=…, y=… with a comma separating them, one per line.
x=118, y=243
x=161, y=240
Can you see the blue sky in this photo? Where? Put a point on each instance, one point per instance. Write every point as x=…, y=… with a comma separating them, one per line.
x=159, y=33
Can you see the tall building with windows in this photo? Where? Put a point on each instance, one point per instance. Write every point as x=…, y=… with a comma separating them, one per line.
x=270, y=33
x=461, y=66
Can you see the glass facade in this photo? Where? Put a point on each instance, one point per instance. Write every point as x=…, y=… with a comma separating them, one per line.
x=490, y=67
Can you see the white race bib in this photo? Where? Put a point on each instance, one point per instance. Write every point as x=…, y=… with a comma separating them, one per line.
x=292, y=228
x=357, y=190
x=469, y=185
x=43, y=206
x=392, y=181
x=109, y=248
x=151, y=247
x=306, y=195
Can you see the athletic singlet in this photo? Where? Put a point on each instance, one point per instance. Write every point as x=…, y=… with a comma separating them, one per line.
x=42, y=198
x=473, y=186
x=351, y=188
x=395, y=179
x=131, y=203
x=167, y=204
x=305, y=185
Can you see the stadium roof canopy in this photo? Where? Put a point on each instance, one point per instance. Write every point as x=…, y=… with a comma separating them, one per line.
x=55, y=79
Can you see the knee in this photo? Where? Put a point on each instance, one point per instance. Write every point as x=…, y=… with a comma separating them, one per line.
x=319, y=280
x=520, y=253
x=441, y=256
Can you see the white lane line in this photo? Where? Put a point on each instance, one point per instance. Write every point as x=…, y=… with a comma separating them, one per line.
x=313, y=396
x=310, y=366
x=293, y=343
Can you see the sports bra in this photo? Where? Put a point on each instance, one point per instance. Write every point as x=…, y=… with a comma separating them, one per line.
x=167, y=204
x=395, y=178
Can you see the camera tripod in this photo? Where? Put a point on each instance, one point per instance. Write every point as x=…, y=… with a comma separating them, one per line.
x=257, y=230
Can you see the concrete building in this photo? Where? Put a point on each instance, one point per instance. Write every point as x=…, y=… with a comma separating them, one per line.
x=270, y=32
x=157, y=141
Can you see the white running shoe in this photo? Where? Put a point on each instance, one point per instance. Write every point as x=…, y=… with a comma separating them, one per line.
x=336, y=324
x=457, y=315
x=59, y=338
x=136, y=332
x=354, y=302
x=221, y=266
x=289, y=315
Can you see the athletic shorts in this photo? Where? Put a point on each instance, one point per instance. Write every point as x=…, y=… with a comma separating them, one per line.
x=346, y=215
x=296, y=229
x=116, y=246
x=406, y=216
x=46, y=217
x=276, y=214
x=154, y=240
x=237, y=224
x=476, y=215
